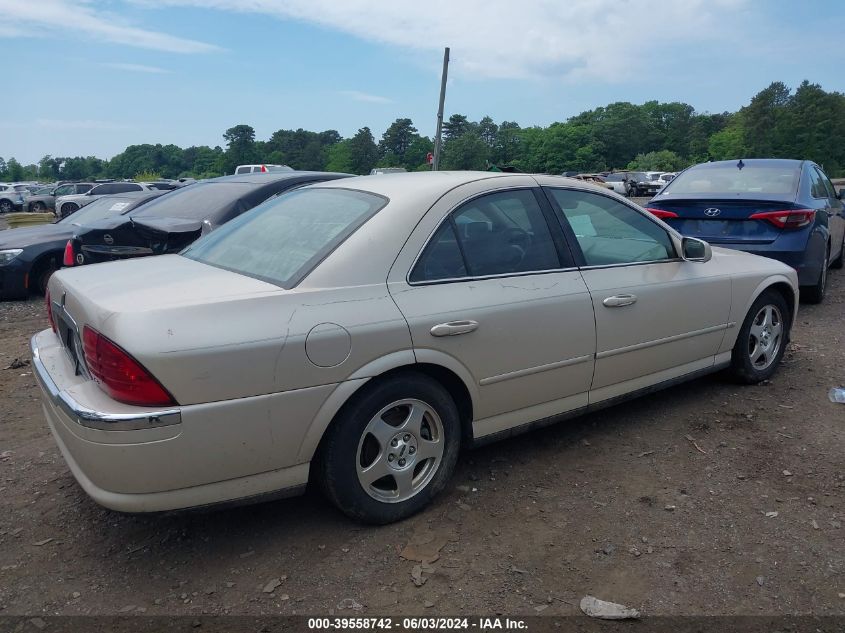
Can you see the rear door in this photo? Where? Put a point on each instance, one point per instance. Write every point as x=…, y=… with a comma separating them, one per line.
x=657, y=317
x=488, y=288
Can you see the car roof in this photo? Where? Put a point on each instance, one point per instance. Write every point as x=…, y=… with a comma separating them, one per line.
x=416, y=183
x=752, y=162
x=270, y=176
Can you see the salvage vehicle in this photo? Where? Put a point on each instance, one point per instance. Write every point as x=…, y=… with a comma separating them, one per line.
x=171, y=223
x=29, y=255
x=359, y=332
x=784, y=209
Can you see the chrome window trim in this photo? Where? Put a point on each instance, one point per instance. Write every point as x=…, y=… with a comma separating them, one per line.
x=485, y=277
x=651, y=261
x=91, y=419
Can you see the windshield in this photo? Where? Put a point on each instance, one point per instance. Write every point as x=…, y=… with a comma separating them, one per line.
x=196, y=202
x=759, y=178
x=281, y=240
x=105, y=207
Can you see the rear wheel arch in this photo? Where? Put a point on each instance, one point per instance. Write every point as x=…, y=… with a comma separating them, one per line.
x=351, y=390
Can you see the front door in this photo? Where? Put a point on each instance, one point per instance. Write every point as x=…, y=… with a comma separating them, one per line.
x=494, y=295
x=658, y=317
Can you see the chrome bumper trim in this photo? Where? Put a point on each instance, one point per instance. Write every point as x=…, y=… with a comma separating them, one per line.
x=94, y=419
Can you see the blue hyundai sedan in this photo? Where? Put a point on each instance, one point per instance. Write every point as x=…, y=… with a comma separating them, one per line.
x=784, y=209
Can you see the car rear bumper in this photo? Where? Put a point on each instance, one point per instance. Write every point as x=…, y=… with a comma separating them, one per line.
x=132, y=459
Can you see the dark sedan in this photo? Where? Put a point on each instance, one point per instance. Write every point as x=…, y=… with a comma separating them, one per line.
x=784, y=209
x=28, y=256
x=175, y=221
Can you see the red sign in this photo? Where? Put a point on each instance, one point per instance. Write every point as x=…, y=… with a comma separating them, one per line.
x=429, y=158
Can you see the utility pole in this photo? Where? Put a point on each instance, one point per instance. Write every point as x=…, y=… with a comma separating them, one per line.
x=437, y=140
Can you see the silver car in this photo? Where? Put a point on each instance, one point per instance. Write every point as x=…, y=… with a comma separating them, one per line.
x=360, y=332
x=45, y=198
x=67, y=204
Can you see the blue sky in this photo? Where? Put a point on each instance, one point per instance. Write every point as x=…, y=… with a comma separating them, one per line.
x=89, y=77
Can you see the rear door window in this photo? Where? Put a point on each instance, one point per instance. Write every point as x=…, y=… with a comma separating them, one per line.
x=495, y=234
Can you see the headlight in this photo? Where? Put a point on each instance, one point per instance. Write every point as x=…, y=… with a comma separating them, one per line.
x=8, y=255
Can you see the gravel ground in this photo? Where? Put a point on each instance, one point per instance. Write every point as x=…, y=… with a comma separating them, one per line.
x=705, y=499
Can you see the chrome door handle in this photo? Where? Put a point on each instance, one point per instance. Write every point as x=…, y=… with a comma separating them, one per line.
x=617, y=301
x=453, y=328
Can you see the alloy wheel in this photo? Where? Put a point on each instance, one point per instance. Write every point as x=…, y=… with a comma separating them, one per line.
x=765, y=337
x=400, y=450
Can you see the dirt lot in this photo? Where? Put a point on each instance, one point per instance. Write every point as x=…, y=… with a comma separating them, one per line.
x=705, y=499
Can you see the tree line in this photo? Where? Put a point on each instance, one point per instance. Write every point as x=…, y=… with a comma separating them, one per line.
x=808, y=123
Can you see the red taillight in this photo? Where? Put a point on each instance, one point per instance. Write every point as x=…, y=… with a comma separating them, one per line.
x=789, y=219
x=67, y=260
x=50, y=310
x=660, y=213
x=120, y=375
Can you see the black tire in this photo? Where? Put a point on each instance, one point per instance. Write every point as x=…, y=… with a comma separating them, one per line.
x=742, y=368
x=69, y=208
x=816, y=292
x=338, y=457
x=42, y=275
x=839, y=261
x=6, y=206
x=37, y=207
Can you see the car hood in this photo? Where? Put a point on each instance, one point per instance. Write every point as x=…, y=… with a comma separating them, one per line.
x=27, y=236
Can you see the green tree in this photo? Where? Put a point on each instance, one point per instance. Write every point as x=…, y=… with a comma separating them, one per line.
x=506, y=146
x=363, y=151
x=488, y=131
x=14, y=170
x=457, y=125
x=240, y=147
x=396, y=140
x=339, y=157
x=468, y=151
x=660, y=160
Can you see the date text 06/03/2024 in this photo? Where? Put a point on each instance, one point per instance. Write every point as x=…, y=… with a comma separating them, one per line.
x=418, y=624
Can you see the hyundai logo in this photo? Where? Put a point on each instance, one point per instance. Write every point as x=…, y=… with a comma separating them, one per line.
x=712, y=212
x=108, y=239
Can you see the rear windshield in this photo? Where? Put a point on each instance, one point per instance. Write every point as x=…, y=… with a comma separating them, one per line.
x=196, y=202
x=105, y=207
x=281, y=240
x=759, y=178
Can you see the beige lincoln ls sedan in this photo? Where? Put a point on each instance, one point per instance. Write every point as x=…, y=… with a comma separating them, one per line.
x=358, y=333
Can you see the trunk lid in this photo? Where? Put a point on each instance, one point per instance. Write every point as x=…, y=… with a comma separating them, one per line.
x=125, y=237
x=196, y=328
x=722, y=220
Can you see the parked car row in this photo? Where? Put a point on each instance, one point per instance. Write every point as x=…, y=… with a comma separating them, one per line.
x=362, y=330
x=66, y=198
x=116, y=227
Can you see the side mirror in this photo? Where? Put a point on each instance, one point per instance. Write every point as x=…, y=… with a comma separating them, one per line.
x=695, y=250
x=841, y=195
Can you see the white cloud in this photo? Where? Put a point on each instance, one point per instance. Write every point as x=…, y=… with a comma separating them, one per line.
x=137, y=68
x=87, y=19
x=86, y=124
x=513, y=39
x=357, y=95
